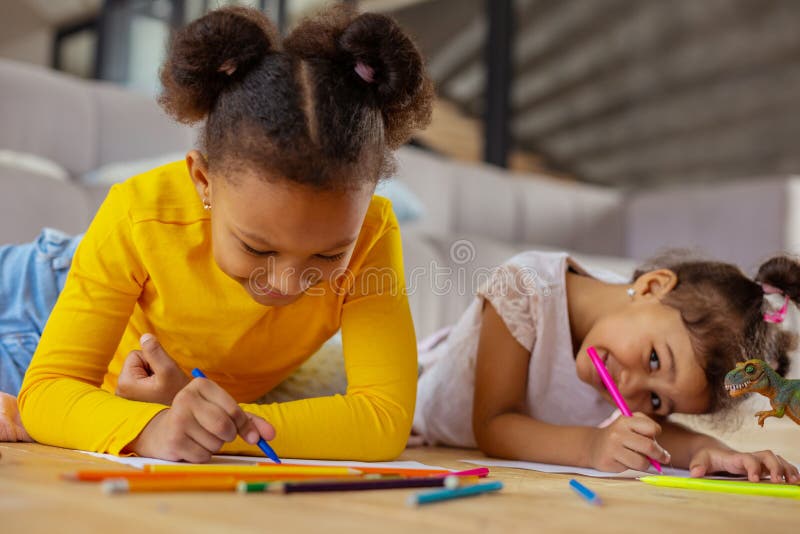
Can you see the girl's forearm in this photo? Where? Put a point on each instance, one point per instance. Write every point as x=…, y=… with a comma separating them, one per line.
x=683, y=443
x=519, y=437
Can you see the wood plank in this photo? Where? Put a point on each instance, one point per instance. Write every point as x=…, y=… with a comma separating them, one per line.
x=458, y=136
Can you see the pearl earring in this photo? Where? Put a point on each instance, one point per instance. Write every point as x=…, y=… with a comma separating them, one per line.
x=206, y=204
x=631, y=292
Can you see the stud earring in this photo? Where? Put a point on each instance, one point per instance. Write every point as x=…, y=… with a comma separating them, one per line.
x=631, y=292
x=206, y=204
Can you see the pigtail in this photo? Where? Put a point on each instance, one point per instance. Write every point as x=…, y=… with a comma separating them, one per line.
x=210, y=54
x=781, y=275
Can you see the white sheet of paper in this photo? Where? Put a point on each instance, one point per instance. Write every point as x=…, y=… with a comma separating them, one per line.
x=630, y=473
x=139, y=462
x=552, y=468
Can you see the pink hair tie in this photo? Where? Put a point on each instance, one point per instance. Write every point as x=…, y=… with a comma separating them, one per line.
x=778, y=316
x=228, y=67
x=366, y=72
x=770, y=290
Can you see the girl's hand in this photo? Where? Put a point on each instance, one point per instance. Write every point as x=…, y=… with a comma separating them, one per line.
x=752, y=464
x=11, y=428
x=202, y=418
x=626, y=444
x=150, y=375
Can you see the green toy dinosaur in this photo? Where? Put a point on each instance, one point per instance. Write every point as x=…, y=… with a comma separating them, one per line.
x=756, y=376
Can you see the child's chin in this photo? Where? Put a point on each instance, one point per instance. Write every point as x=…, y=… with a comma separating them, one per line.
x=583, y=375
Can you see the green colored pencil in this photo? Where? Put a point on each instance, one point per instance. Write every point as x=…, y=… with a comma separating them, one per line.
x=725, y=486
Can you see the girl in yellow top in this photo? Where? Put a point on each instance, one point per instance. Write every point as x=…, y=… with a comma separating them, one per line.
x=244, y=259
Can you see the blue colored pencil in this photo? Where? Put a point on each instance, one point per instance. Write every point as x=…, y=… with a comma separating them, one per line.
x=426, y=497
x=590, y=496
x=262, y=443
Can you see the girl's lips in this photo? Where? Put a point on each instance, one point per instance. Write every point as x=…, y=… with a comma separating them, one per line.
x=270, y=292
x=275, y=294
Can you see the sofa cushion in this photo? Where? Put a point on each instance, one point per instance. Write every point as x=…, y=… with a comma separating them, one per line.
x=131, y=126
x=485, y=203
x=570, y=215
x=739, y=222
x=29, y=202
x=47, y=114
x=431, y=180
x=11, y=159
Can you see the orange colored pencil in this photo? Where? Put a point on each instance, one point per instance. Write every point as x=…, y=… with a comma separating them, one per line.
x=101, y=475
x=126, y=485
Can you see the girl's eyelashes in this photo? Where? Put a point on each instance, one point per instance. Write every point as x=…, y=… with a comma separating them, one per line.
x=655, y=363
x=655, y=401
x=335, y=257
x=255, y=252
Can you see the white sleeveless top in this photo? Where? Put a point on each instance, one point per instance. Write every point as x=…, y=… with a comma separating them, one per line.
x=529, y=294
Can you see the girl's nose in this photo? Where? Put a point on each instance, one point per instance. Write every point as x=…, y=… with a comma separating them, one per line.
x=286, y=278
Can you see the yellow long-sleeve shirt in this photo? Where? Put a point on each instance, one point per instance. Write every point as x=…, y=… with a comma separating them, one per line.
x=146, y=265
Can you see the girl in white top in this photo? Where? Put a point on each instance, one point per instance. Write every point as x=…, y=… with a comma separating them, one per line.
x=513, y=378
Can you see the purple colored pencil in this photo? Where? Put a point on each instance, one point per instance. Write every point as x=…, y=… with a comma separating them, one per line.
x=357, y=485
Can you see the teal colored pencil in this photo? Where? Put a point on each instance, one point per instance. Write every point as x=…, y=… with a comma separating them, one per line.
x=426, y=497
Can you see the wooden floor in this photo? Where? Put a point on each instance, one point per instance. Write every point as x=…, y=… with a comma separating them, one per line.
x=33, y=499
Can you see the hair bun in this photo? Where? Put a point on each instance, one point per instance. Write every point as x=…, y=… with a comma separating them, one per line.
x=377, y=42
x=782, y=272
x=205, y=56
x=373, y=51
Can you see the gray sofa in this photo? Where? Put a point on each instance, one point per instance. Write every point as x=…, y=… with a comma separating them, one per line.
x=475, y=215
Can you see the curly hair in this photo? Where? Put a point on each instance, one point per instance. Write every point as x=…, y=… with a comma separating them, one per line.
x=301, y=109
x=723, y=310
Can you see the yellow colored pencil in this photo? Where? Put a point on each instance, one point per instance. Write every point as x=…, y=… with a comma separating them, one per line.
x=311, y=470
x=725, y=486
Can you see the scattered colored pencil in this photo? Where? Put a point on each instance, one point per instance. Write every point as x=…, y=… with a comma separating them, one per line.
x=266, y=473
x=280, y=470
x=726, y=486
x=262, y=443
x=390, y=470
x=406, y=472
x=590, y=496
x=101, y=475
x=427, y=497
x=481, y=472
x=355, y=485
x=614, y=392
x=125, y=485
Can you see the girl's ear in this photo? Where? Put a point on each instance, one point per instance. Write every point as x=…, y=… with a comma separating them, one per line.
x=198, y=170
x=655, y=283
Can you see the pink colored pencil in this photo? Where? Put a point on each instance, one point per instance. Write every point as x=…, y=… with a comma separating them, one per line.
x=614, y=392
x=476, y=472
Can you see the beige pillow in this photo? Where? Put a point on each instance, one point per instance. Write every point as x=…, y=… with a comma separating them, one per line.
x=33, y=164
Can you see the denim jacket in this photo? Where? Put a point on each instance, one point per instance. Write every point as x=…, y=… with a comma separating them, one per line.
x=31, y=277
